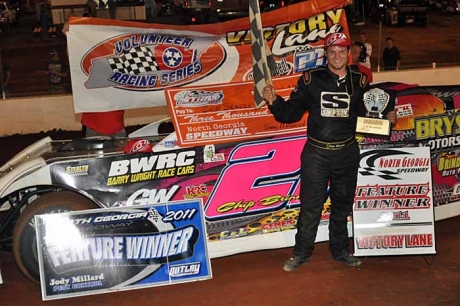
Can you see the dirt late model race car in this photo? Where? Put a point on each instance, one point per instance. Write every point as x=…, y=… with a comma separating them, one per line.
x=248, y=188
x=60, y=176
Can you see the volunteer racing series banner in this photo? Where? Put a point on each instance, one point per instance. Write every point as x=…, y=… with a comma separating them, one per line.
x=121, y=65
x=106, y=250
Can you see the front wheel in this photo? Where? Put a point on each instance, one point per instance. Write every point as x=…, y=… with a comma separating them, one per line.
x=24, y=239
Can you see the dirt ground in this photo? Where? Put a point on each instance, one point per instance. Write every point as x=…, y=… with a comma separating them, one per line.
x=257, y=278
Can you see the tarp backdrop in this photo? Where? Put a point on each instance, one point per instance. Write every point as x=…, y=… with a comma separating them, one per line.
x=122, y=65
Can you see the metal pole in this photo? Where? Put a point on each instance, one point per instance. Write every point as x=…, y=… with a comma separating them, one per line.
x=1, y=78
x=380, y=44
x=134, y=6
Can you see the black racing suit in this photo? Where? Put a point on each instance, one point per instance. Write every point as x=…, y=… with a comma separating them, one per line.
x=331, y=154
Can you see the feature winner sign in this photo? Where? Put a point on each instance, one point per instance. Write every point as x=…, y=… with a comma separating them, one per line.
x=393, y=211
x=104, y=250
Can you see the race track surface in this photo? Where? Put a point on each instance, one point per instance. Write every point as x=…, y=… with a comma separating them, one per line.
x=257, y=278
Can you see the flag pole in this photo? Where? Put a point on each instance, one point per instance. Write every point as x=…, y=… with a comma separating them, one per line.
x=261, y=71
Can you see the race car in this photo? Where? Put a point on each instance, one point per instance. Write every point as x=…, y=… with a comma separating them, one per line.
x=249, y=188
x=60, y=176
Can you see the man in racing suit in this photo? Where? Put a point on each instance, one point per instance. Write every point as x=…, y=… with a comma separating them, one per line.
x=333, y=96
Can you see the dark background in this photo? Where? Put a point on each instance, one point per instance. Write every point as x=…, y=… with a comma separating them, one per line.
x=257, y=278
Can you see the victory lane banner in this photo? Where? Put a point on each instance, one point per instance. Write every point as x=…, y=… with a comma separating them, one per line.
x=105, y=250
x=123, y=65
x=393, y=212
x=225, y=112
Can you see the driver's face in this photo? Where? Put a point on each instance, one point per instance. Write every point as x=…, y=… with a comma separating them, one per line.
x=337, y=57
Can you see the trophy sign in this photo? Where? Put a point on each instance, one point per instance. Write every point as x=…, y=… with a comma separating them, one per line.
x=378, y=103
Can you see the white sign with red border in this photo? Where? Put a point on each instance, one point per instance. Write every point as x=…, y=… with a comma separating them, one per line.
x=393, y=212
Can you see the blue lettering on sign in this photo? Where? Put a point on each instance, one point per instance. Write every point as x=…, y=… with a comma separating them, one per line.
x=133, y=80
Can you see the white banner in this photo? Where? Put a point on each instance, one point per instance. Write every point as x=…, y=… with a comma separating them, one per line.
x=116, y=67
x=121, y=65
x=393, y=213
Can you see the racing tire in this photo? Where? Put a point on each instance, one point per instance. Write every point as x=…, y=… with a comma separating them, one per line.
x=24, y=239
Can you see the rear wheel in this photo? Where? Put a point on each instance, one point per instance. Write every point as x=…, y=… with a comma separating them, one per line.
x=24, y=239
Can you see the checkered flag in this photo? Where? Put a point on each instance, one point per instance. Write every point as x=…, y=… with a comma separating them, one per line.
x=303, y=48
x=385, y=174
x=137, y=60
x=261, y=66
x=442, y=194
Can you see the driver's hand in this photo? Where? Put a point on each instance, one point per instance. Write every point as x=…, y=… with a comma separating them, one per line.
x=392, y=117
x=268, y=93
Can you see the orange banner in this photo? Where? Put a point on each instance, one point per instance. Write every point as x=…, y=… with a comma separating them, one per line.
x=295, y=36
x=222, y=113
x=225, y=112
